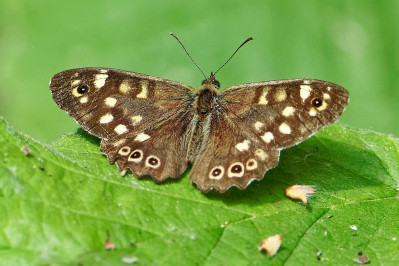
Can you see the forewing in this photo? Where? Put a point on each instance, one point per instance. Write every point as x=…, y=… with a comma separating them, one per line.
x=286, y=112
x=117, y=104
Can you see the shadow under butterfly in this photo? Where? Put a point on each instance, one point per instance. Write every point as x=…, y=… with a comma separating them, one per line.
x=156, y=126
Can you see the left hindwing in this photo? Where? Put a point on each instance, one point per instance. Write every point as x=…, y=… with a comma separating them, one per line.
x=283, y=113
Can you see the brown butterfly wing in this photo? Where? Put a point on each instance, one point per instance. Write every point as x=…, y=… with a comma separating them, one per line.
x=258, y=120
x=285, y=112
x=230, y=157
x=131, y=112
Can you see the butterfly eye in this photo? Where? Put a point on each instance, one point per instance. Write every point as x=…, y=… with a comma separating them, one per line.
x=317, y=102
x=82, y=89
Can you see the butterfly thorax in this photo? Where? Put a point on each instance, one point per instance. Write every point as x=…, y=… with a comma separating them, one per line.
x=206, y=95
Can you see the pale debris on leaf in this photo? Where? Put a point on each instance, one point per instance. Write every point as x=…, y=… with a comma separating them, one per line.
x=26, y=150
x=353, y=227
x=300, y=192
x=271, y=245
x=128, y=260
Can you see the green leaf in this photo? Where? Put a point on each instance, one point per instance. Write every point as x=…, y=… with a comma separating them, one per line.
x=59, y=202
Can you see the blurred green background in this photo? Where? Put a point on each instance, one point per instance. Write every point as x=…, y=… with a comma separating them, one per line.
x=352, y=43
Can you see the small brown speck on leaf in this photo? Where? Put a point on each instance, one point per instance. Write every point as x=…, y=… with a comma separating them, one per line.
x=109, y=245
x=271, y=245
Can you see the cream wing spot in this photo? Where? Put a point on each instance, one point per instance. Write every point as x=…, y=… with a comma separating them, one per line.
x=119, y=142
x=153, y=162
x=105, y=119
x=312, y=112
x=124, y=151
x=99, y=80
x=144, y=90
x=280, y=95
x=262, y=98
x=267, y=137
x=305, y=92
x=125, y=87
x=236, y=170
x=136, y=119
x=136, y=156
x=251, y=164
x=284, y=128
x=216, y=173
x=120, y=129
x=243, y=146
x=142, y=137
x=83, y=99
x=103, y=71
x=110, y=102
x=76, y=82
x=258, y=125
x=261, y=154
x=326, y=96
x=288, y=111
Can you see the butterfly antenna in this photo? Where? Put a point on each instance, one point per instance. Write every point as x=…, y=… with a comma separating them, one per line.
x=247, y=40
x=174, y=35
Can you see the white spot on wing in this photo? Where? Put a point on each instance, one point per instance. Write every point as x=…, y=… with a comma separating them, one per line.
x=258, y=125
x=288, y=111
x=243, y=146
x=99, y=80
x=281, y=95
x=144, y=91
x=326, y=96
x=76, y=82
x=261, y=154
x=136, y=119
x=110, y=101
x=262, y=98
x=305, y=92
x=125, y=87
x=120, y=129
x=267, y=137
x=284, y=128
x=313, y=112
x=105, y=119
x=103, y=71
x=142, y=137
x=83, y=99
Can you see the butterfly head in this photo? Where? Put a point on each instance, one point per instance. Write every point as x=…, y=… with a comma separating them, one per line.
x=211, y=81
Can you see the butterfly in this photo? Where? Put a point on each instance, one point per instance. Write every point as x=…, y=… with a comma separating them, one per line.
x=157, y=127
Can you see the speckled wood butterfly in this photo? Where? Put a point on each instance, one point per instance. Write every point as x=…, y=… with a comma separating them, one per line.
x=156, y=127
